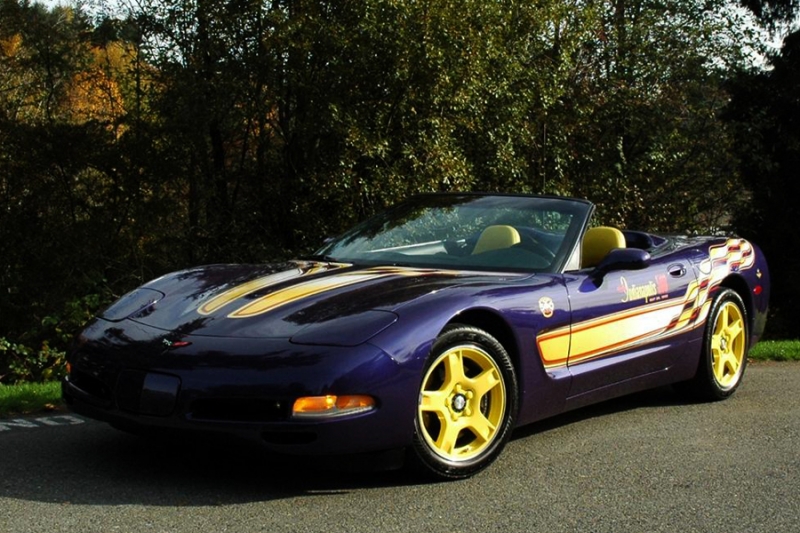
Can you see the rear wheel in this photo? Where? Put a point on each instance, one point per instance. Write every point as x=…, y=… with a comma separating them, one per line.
x=467, y=403
x=724, y=357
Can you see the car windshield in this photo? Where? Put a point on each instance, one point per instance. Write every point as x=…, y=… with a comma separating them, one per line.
x=473, y=232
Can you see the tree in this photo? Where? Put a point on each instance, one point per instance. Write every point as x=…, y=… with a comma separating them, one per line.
x=60, y=202
x=178, y=132
x=642, y=127
x=766, y=110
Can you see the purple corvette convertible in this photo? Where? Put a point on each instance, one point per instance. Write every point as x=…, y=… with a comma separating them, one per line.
x=436, y=327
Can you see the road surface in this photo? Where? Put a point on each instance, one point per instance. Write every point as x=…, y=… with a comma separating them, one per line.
x=645, y=463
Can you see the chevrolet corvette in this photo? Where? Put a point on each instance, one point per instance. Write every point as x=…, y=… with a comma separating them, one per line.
x=435, y=327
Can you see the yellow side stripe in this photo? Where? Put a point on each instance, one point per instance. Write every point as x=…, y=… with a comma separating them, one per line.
x=596, y=337
x=602, y=336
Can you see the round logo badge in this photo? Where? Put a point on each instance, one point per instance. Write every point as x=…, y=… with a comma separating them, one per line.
x=547, y=306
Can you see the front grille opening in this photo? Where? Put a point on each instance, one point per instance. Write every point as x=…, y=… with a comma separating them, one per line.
x=239, y=409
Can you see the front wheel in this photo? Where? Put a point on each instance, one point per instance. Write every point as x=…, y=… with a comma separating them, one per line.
x=467, y=403
x=724, y=356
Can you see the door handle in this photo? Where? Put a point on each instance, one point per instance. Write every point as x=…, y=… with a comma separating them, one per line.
x=677, y=270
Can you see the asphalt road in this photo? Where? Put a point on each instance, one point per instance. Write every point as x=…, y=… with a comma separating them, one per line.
x=646, y=463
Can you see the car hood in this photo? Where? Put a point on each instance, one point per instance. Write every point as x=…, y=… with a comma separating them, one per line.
x=309, y=302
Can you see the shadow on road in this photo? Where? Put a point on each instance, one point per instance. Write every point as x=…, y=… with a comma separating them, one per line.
x=93, y=464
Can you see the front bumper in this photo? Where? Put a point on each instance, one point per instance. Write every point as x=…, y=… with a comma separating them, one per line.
x=124, y=374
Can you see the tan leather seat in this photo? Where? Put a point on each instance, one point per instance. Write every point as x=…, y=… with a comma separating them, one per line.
x=496, y=238
x=598, y=242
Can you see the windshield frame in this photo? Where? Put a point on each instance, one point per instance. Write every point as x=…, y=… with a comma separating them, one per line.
x=579, y=211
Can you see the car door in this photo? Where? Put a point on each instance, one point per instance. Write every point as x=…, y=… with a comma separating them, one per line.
x=625, y=324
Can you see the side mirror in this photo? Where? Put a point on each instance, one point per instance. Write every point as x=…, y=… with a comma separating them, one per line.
x=621, y=259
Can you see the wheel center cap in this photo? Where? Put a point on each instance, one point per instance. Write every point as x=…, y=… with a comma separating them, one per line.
x=723, y=344
x=459, y=402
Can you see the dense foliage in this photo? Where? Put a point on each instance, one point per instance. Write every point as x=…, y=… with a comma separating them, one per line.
x=766, y=111
x=179, y=132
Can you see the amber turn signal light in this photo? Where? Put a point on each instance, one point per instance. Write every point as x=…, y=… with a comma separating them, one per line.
x=330, y=405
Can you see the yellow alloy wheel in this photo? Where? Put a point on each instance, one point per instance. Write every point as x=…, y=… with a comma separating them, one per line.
x=462, y=403
x=728, y=344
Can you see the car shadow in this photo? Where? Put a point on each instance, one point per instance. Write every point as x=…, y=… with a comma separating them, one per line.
x=93, y=464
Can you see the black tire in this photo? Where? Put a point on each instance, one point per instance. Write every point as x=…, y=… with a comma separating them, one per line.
x=467, y=406
x=724, y=355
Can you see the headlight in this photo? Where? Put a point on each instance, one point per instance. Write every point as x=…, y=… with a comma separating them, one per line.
x=136, y=302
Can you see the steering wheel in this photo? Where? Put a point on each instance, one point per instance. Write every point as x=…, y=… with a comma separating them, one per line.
x=530, y=244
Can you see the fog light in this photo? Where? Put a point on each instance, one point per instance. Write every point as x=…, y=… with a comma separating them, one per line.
x=332, y=406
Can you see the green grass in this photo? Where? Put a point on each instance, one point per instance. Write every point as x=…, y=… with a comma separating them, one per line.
x=776, y=351
x=29, y=398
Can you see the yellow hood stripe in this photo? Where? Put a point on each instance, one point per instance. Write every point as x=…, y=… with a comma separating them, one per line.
x=303, y=290
x=312, y=287
x=287, y=295
x=303, y=269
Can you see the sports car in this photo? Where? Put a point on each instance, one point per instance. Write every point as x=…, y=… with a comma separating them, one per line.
x=435, y=327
